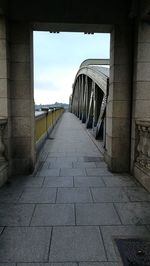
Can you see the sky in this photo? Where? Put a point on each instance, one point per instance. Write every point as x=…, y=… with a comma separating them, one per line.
x=57, y=58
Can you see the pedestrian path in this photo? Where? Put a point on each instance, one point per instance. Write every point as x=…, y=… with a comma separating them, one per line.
x=70, y=211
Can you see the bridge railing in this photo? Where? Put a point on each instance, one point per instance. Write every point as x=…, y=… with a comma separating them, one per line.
x=44, y=123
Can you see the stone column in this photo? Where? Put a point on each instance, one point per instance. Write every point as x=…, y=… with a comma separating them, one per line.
x=118, y=106
x=141, y=101
x=4, y=101
x=22, y=99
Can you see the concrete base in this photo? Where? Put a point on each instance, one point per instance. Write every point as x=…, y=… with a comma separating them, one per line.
x=3, y=173
x=115, y=165
x=143, y=176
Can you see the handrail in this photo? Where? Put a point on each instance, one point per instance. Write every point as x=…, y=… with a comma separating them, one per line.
x=92, y=61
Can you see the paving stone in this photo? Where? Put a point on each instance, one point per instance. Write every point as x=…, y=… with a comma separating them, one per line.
x=8, y=196
x=88, y=182
x=15, y=214
x=77, y=244
x=109, y=195
x=46, y=264
x=61, y=164
x=49, y=172
x=96, y=214
x=25, y=244
x=72, y=172
x=84, y=165
x=111, y=232
x=7, y=264
x=73, y=195
x=99, y=264
x=101, y=165
x=22, y=182
x=98, y=172
x=134, y=213
x=38, y=195
x=118, y=181
x=58, y=182
x=137, y=194
x=53, y=214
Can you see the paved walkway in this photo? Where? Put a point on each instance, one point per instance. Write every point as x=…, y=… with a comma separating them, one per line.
x=69, y=213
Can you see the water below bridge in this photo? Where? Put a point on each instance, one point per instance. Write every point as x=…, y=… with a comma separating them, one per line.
x=69, y=212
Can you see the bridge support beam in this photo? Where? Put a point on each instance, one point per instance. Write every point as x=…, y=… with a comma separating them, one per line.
x=119, y=101
x=21, y=98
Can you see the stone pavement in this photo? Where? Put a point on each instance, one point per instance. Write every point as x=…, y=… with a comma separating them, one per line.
x=70, y=211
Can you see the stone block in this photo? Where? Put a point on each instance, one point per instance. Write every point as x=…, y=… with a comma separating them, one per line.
x=72, y=172
x=14, y=244
x=21, y=147
x=20, y=53
x=3, y=173
x=143, y=33
x=15, y=215
x=22, y=107
x=137, y=194
x=141, y=90
x=53, y=215
x=98, y=264
x=120, y=91
x=68, y=244
x=73, y=195
x=48, y=172
x=21, y=127
x=47, y=264
x=3, y=69
x=58, y=182
x=96, y=214
x=118, y=127
x=3, y=108
x=3, y=54
x=119, y=181
x=136, y=213
x=98, y=172
x=141, y=109
x=88, y=181
x=109, y=194
x=2, y=28
x=142, y=176
x=21, y=89
x=3, y=88
x=20, y=71
x=119, y=73
x=38, y=195
x=21, y=166
x=143, y=52
x=142, y=71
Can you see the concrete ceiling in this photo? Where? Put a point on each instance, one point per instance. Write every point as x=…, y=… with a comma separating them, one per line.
x=69, y=11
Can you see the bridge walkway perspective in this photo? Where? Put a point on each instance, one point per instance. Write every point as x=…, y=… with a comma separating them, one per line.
x=69, y=212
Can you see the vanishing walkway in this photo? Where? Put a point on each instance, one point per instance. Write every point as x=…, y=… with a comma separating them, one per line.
x=70, y=211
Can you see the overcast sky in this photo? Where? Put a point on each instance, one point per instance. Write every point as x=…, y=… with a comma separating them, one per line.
x=57, y=58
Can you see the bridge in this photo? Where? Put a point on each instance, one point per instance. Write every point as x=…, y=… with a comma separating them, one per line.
x=73, y=182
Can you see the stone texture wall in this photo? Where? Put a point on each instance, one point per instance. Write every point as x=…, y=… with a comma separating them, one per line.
x=119, y=101
x=21, y=95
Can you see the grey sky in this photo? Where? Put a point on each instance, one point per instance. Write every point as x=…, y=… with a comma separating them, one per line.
x=57, y=58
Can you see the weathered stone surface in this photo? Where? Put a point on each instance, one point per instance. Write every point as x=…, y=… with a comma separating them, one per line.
x=88, y=181
x=72, y=195
x=38, y=195
x=53, y=214
x=109, y=195
x=96, y=214
x=134, y=213
x=15, y=214
x=14, y=244
x=68, y=244
x=58, y=182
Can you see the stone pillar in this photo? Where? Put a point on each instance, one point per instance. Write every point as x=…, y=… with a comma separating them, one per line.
x=22, y=99
x=141, y=103
x=4, y=101
x=118, y=106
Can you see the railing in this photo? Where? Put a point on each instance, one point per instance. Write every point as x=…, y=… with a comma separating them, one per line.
x=44, y=122
x=143, y=147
